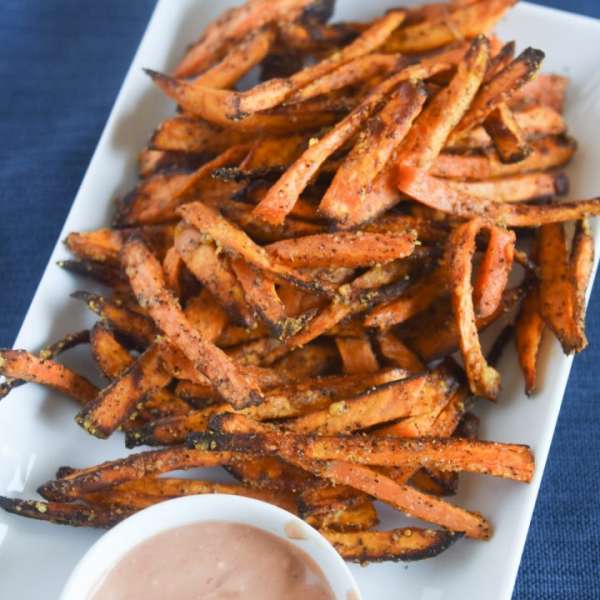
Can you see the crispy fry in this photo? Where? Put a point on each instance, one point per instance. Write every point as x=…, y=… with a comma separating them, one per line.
x=427, y=137
x=360, y=69
x=104, y=245
x=150, y=490
x=345, y=249
x=399, y=544
x=405, y=398
x=557, y=289
x=499, y=90
x=509, y=140
x=146, y=280
x=239, y=61
x=206, y=315
x=581, y=267
x=384, y=133
x=135, y=466
x=529, y=330
x=509, y=461
x=417, y=298
x=110, y=356
x=393, y=349
x=75, y=515
x=19, y=364
x=190, y=135
x=357, y=354
x=50, y=352
x=493, y=272
x=235, y=24
x=157, y=198
x=548, y=152
x=202, y=259
x=135, y=327
x=353, y=518
x=113, y=404
x=260, y=293
x=483, y=379
x=465, y=22
x=436, y=194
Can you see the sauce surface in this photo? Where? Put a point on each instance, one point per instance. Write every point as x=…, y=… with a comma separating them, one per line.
x=214, y=561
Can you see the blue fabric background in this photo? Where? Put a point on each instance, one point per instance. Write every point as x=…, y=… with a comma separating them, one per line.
x=61, y=65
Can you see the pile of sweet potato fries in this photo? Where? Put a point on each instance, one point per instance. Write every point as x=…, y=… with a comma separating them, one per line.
x=300, y=261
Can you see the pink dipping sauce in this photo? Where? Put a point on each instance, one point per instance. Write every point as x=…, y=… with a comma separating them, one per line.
x=214, y=561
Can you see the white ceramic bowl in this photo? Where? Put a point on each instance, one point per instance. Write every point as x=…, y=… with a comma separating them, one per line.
x=114, y=544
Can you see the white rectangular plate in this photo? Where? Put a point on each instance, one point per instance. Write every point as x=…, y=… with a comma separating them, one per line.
x=37, y=432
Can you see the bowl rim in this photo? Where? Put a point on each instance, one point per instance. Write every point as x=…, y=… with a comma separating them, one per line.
x=170, y=514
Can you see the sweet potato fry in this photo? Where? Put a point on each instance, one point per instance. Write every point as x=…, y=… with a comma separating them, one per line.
x=404, y=498
x=466, y=21
x=396, y=351
x=282, y=196
x=492, y=275
x=104, y=245
x=156, y=198
x=427, y=137
x=345, y=249
x=135, y=466
x=102, y=273
x=19, y=364
x=135, y=327
x=510, y=461
x=190, y=135
x=581, y=267
x=417, y=298
x=206, y=315
x=514, y=188
x=113, y=404
x=548, y=152
x=260, y=293
x=349, y=519
x=242, y=58
x=435, y=482
x=529, y=330
x=202, y=259
x=408, y=544
x=557, y=286
x=483, y=379
x=235, y=24
x=435, y=193
x=75, y=515
x=145, y=492
x=146, y=280
x=50, y=352
x=360, y=69
x=111, y=357
x=357, y=354
x=384, y=133
x=508, y=137
x=499, y=90
x=395, y=400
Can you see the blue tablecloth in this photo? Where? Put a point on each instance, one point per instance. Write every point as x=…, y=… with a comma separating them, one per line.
x=62, y=62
